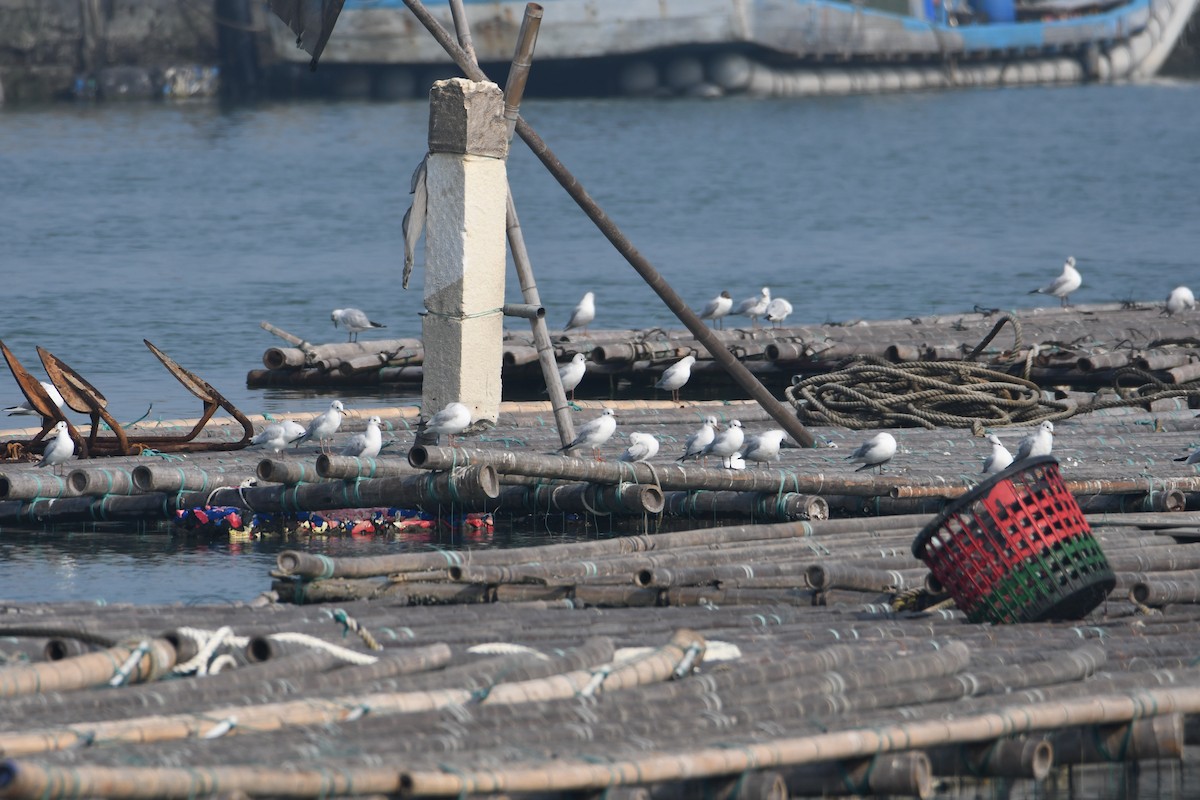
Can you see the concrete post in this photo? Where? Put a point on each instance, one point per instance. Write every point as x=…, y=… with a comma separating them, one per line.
x=465, y=247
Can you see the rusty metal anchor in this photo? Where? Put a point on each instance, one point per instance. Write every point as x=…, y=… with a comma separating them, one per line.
x=84, y=398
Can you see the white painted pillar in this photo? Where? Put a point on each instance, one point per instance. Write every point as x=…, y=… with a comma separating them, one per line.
x=465, y=247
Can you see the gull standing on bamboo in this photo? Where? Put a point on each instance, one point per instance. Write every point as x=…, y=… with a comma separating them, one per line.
x=999, y=459
x=755, y=307
x=763, y=446
x=1180, y=299
x=735, y=462
x=875, y=452
x=276, y=436
x=726, y=443
x=454, y=418
x=366, y=444
x=594, y=433
x=700, y=439
x=778, y=310
x=675, y=376
x=322, y=428
x=583, y=314
x=571, y=374
x=642, y=447
x=59, y=449
x=718, y=308
x=1062, y=286
x=1038, y=443
x=354, y=320
x=25, y=409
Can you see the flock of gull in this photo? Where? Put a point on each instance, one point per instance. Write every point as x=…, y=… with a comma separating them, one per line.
x=730, y=444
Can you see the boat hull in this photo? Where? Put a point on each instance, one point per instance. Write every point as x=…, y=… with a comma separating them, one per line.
x=760, y=47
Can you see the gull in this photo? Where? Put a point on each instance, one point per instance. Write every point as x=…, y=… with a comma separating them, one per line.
x=277, y=435
x=642, y=447
x=366, y=444
x=583, y=314
x=59, y=449
x=675, y=376
x=735, y=461
x=25, y=409
x=571, y=374
x=1064, y=284
x=999, y=459
x=354, y=320
x=778, y=310
x=594, y=433
x=700, y=439
x=726, y=443
x=875, y=452
x=718, y=308
x=454, y=418
x=1180, y=299
x=763, y=446
x=1038, y=443
x=754, y=307
x=1194, y=458
x=323, y=426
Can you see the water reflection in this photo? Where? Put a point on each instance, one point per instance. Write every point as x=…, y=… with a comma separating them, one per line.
x=174, y=566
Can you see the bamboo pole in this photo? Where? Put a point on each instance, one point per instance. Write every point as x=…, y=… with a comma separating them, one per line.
x=1155, y=737
x=349, y=468
x=286, y=471
x=654, y=767
x=310, y=565
x=780, y=413
x=1022, y=757
x=1163, y=590
x=291, y=339
x=30, y=485
x=331, y=354
x=147, y=661
x=99, y=481
x=185, y=478
x=666, y=476
x=757, y=505
x=583, y=498
x=907, y=774
x=29, y=780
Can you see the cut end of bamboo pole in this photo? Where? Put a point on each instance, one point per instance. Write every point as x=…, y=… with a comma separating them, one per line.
x=418, y=456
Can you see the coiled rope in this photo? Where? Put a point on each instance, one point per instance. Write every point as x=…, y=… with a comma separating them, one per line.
x=872, y=393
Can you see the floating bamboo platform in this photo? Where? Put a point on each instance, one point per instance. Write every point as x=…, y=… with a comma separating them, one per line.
x=1114, y=459
x=1085, y=347
x=747, y=634
x=755, y=661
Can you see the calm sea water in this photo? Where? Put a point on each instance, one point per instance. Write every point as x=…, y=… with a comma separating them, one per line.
x=189, y=224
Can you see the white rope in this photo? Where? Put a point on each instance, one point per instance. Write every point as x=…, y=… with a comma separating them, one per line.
x=220, y=662
x=344, y=653
x=207, y=643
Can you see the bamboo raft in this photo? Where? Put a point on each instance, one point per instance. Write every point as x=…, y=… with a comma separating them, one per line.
x=1116, y=459
x=787, y=654
x=766, y=661
x=1085, y=347
x=754, y=634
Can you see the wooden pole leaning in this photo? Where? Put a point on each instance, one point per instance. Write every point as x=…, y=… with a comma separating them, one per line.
x=736, y=370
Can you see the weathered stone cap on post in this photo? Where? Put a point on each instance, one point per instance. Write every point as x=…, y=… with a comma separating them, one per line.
x=462, y=118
